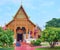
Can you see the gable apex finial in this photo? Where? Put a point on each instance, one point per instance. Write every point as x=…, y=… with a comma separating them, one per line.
x=21, y=2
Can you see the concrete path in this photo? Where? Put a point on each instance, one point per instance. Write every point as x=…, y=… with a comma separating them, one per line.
x=24, y=47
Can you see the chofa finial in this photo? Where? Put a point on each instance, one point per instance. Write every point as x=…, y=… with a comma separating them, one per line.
x=21, y=2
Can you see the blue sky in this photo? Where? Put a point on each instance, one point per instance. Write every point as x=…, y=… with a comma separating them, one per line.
x=39, y=11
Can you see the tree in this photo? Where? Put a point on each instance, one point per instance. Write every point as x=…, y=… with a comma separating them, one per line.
x=51, y=35
x=53, y=23
x=6, y=37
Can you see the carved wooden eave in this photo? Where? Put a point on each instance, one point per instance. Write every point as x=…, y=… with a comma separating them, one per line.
x=32, y=23
x=21, y=7
x=9, y=22
x=23, y=11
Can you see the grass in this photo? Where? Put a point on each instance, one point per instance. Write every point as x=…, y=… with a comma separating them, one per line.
x=6, y=48
x=56, y=48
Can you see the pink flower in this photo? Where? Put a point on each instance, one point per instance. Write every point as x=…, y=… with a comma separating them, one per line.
x=4, y=28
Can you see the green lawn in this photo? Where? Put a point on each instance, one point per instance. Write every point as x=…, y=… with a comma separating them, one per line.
x=56, y=48
x=6, y=48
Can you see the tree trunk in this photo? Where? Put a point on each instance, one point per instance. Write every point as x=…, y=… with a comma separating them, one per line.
x=52, y=44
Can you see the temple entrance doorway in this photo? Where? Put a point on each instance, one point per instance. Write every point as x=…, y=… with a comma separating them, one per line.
x=24, y=33
x=19, y=32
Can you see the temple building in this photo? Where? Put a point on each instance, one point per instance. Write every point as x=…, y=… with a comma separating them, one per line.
x=21, y=20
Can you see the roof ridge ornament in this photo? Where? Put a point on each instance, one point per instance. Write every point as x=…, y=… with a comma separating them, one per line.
x=21, y=2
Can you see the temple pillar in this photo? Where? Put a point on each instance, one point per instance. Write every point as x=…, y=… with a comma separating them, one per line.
x=26, y=29
x=26, y=33
x=15, y=30
x=14, y=33
x=37, y=34
x=33, y=32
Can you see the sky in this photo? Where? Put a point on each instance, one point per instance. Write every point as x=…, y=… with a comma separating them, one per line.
x=39, y=11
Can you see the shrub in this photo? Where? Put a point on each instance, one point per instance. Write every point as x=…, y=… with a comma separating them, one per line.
x=6, y=37
x=36, y=43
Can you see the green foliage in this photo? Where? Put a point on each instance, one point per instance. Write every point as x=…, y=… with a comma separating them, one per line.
x=52, y=32
x=6, y=37
x=51, y=35
x=36, y=43
x=53, y=23
x=11, y=48
x=55, y=48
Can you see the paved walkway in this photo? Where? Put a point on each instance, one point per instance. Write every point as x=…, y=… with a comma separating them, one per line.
x=24, y=47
